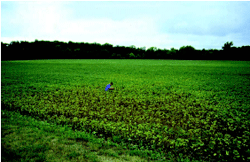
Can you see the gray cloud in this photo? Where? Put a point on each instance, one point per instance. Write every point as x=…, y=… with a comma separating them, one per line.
x=160, y=24
x=208, y=18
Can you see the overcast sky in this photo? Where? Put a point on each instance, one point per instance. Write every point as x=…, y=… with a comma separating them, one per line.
x=162, y=24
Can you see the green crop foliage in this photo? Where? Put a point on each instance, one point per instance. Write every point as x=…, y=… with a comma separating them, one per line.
x=174, y=106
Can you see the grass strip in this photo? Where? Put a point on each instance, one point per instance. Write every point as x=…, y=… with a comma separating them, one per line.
x=27, y=139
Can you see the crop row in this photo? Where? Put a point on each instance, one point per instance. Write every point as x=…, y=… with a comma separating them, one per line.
x=163, y=121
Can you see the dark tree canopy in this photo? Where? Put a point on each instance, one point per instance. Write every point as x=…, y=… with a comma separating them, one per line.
x=227, y=45
x=24, y=50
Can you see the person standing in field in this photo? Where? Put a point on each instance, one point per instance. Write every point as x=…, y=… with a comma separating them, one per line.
x=108, y=87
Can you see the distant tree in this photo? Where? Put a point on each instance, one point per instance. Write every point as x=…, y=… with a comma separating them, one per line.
x=132, y=46
x=13, y=43
x=227, y=46
x=141, y=52
x=244, y=53
x=21, y=50
x=150, y=53
x=4, y=52
x=226, y=54
x=122, y=51
x=187, y=48
x=143, y=48
x=187, y=52
x=119, y=56
x=138, y=56
x=152, y=49
x=161, y=54
x=108, y=46
x=171, y=53
x=131, y=55
x=116, y=56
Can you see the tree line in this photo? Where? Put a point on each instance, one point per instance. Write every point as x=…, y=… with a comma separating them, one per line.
x=24, y=50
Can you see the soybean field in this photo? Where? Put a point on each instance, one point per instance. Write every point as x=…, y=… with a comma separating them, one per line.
x=197, y=110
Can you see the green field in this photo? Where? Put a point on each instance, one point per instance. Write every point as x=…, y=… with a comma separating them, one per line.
x=188, y=109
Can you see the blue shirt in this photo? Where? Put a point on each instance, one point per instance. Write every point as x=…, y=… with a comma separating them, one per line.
x=107, y=87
